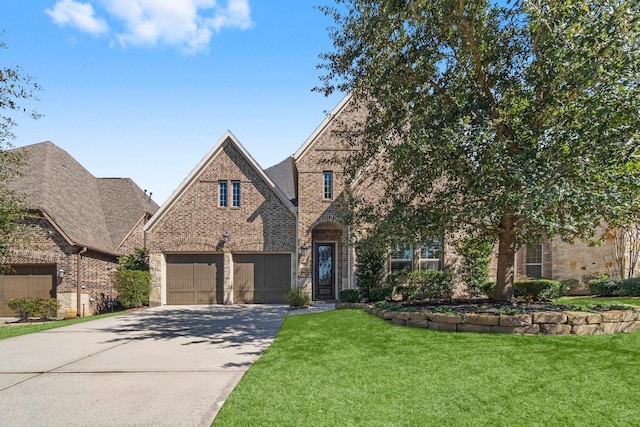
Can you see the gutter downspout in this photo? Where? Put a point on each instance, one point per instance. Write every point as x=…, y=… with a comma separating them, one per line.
x=78, y=272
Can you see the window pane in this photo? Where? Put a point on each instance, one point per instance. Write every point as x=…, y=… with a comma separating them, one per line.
x=222, y=194
x=400, y=266
x=534, y=254
x=534, y=271
x=402, y=251
x=328, y=185
x=236, y=194
x=430, y=265
x=431, y=250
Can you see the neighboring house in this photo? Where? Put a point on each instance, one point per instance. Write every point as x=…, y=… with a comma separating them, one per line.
x=79, y=225
x=235, y=233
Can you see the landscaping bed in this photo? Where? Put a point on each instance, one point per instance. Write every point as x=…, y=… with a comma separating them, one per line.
x=486, y=316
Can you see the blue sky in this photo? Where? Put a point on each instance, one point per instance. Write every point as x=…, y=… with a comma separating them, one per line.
x=145, y=88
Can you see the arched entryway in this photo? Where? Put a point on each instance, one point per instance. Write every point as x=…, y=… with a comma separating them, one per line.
x=328, y=260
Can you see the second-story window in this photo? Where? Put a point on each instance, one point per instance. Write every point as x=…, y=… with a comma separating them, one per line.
x=328, y=185
x=235, y=195
x=223, y=194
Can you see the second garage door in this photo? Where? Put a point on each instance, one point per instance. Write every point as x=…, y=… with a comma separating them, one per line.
x=261, y=278
x=195, y=279
x=35, y=281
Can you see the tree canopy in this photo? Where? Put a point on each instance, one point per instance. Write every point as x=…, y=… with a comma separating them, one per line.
x=16, y=89
x=514, y=121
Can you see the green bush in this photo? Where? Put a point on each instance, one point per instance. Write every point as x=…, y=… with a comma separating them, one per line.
x=476, y=254
x=604, y=286
x=371, y=268
x=489, y=289
x=629, y=287
x=133, y=287
x=422, y=284
x=350, y=295
x=538, y=290
x=380, y=294
x=41, y=308
x=297, y=298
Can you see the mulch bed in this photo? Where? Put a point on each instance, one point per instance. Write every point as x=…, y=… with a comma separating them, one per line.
x=492, y=307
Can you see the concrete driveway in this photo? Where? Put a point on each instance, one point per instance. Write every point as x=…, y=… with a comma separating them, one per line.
x=166, y=366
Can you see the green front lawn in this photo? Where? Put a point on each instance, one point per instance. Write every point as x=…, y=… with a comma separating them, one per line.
x=348, y=368
x=9, y=331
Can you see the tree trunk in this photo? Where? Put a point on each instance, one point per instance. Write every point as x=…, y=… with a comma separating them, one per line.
x=506, y=256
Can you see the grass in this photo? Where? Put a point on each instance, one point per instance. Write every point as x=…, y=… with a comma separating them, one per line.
x=348, y=368
x=598, y=301
x=10, y=331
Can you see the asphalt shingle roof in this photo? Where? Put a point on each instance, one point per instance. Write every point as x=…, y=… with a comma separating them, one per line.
x=282, y=176
x=94, y=212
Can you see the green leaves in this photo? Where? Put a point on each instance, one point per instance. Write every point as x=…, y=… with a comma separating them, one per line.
x=484, y=111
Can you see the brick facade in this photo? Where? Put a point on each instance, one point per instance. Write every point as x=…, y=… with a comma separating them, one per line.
x=194, y=223
x=42, y=243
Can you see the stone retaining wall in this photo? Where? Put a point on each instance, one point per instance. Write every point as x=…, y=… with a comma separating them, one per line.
x=546, y=323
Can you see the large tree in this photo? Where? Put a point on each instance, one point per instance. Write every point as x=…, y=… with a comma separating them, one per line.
x=510, y=120
x=16, y=89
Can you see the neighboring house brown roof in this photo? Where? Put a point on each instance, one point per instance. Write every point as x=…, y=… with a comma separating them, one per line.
x=90, y=211
x=282, y=175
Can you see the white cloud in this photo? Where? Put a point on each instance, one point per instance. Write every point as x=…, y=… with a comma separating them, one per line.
x=78, y=15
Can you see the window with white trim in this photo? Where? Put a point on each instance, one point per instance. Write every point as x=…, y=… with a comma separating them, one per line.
x=235, y=194
x=534, y=261
x=429, y=256
x=223, y=191
x=401, y=258
x=327, y=185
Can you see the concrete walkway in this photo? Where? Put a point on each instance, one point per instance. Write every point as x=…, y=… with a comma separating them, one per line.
x=166, y=366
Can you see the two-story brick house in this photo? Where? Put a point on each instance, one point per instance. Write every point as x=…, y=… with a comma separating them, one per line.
x=77, y=228
x=235, y=233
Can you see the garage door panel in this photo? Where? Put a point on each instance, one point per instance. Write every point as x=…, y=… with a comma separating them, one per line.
x=194, y=278
x=261, y=278
x=37, y=281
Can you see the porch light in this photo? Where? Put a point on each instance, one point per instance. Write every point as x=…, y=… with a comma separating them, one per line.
x=225, y=237
x=61, y=273
x=303, y=250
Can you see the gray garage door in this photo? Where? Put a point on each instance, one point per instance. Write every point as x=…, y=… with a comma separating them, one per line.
x=37, y=281
x=261, y=278
x=195, y=279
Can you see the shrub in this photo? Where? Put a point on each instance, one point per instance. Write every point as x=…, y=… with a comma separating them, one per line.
x=380, y=294
x=537, y=290
x=476, y=254
x=489, y=289
x=297, y=298
x=41, y=308
x=350, y=295
x=629, y=287
x=133, y=287
x=370, y=269
x=604, y=286
x=422, y=284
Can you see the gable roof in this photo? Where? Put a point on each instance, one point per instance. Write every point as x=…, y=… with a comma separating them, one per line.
x=318, y=131
x=282, y=175
x=227, y=138
x=93, y=212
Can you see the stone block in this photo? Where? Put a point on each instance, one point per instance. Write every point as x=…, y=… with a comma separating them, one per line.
x=481, y=319
x=399, y=322
x=527, y=329
x=555, y=328
x=418, y=315
x=388, y=315
x=612, y=316
x=439, y=326
x=549, y=317
x=586, y=329
x=445, y=318
x=472, y=327
x=616, y=328
x=418, y=323
x=515, y=320
x=594, y=318
x=635, y=326
x=575, y=318
x=403, y=315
